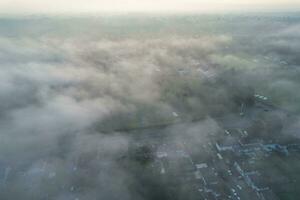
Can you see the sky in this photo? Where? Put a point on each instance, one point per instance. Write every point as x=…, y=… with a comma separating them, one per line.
x=163, y=6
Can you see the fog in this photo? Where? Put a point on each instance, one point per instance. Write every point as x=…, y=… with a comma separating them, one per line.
x=73, y=88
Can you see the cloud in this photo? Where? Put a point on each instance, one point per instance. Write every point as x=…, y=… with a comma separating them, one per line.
x=65, y=98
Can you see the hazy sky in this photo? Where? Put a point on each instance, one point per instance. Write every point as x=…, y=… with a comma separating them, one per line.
x=81, y=6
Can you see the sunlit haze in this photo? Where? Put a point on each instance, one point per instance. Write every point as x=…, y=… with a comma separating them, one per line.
x=148, y=6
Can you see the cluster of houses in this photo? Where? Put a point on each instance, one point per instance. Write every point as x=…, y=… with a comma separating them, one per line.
x=226, y=174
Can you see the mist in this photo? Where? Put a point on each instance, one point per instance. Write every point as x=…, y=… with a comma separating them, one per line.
x=77, y=93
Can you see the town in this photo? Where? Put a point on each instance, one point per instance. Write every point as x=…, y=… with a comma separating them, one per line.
x=230, y=164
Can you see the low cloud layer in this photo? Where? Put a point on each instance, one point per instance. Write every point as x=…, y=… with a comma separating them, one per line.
x=67, y=95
